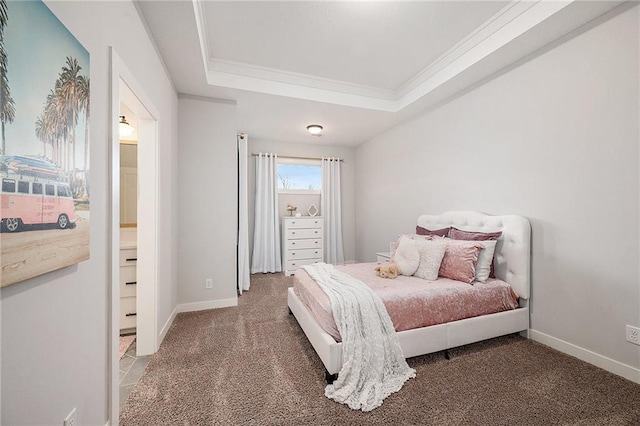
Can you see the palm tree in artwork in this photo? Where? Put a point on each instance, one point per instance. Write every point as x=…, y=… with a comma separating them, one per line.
x=7, y=105
x=46, y=132
x=53, y=126
x=85, y=105
x=42, y=133
x=70, y=92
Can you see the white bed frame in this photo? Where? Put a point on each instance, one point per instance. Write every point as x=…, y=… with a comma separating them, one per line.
x=512, y=264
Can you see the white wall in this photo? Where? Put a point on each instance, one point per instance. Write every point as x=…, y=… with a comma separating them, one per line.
x=55, y=327
x=303, y=201
x=208, y=202
x=555, y=140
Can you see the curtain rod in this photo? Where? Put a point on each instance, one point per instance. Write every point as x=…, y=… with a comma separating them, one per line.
x=253, y=154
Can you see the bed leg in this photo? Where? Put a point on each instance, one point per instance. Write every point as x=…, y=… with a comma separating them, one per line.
x=290, y=313
x=330, y=378
x=446, y=354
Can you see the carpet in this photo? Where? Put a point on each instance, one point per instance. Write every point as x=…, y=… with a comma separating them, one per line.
x=125, y=342
x=252, y=365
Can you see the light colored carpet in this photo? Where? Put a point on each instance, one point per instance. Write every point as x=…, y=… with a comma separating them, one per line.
x=252, y=365
x=125, y=342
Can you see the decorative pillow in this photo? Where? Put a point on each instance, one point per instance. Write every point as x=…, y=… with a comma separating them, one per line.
x=485, y=260
x=459, y=261
x=444, y=232
x=393, y=246
x=458, y=234
x=407, y=257
x=431, y=254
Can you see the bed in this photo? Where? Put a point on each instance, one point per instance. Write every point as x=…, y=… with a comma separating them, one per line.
x=511, y=264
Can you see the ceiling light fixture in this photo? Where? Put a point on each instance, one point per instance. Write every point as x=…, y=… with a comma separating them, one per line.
x=315, y=129
x=126, y=129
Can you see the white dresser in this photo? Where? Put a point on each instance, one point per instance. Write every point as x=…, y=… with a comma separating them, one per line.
x=301, y=242
x=128, y=284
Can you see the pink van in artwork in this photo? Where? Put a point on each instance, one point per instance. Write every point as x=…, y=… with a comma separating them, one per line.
x=33, y=193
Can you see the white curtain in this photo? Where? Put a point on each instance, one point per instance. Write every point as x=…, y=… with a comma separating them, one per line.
x=243, y=216
x=331, y=210
x=266, y=234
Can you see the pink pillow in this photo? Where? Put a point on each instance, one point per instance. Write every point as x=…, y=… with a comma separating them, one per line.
x=458, y=234
x=444, y=232
x=459, y=261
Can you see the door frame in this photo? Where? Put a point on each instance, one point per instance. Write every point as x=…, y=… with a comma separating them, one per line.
x=125, y=88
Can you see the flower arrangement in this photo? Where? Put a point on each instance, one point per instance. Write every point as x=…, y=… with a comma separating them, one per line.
x=291, y=208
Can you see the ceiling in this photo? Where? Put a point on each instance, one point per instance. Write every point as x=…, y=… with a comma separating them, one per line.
x=355, y=67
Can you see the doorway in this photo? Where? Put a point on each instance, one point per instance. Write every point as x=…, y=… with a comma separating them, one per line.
x=125, y=90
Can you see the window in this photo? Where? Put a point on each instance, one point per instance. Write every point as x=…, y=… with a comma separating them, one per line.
x=23, y=187
x=49, y=189
x=299, y=176
x=8, y=185
x=62, y=191
x=37, y=188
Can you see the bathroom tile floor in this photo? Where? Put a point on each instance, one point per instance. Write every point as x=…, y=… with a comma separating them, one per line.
x=131, y=369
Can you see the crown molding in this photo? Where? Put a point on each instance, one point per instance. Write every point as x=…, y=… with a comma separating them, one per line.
x=513, y=20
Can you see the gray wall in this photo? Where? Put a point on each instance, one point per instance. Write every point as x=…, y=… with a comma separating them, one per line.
x=55, y=326
x=208, y=200
x=303, y=201
x=555, y=140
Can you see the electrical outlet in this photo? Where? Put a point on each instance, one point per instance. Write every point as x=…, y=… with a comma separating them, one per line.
x=633, y=334
x=70, y=420
x=208, y=283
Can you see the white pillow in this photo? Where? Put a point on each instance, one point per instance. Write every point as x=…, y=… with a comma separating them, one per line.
x=407, y=257
x=431, y=254
x=485, y=257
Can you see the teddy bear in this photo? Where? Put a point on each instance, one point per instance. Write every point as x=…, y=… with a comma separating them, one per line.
x=387, y=270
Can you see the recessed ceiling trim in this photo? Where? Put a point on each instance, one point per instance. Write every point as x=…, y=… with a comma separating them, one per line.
x=519, y=19
x=289, y=77
x=271, y=87
x=201, y=26
x=507, y=14
x=512, y=21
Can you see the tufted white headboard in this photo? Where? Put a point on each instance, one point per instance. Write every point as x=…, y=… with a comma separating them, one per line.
x=512, y=259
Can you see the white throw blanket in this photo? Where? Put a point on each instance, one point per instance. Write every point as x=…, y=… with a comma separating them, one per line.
x=373, y=366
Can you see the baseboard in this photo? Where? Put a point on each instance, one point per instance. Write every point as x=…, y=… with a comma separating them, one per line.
x=348, y=262
x=166, y=326
x=209, y=304
x=612, y=366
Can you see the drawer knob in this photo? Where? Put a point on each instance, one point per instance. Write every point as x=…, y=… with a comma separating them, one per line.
x=293, y=233
x=131, y=283
x=132, y=259
x=293, y=254
x=293, y=244
x=131, y=315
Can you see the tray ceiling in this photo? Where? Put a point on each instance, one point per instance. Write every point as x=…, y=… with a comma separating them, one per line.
x=290, y=63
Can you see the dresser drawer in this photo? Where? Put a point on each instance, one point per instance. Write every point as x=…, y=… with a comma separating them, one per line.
x=303, y=244
x=128, y=257
x=128, y=281
x=304, y=222
x=294, y=234
x=292, y=265
x=304, y=254
x=127, y=312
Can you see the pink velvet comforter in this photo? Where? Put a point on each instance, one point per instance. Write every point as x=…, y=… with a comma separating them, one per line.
x=411, y=302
